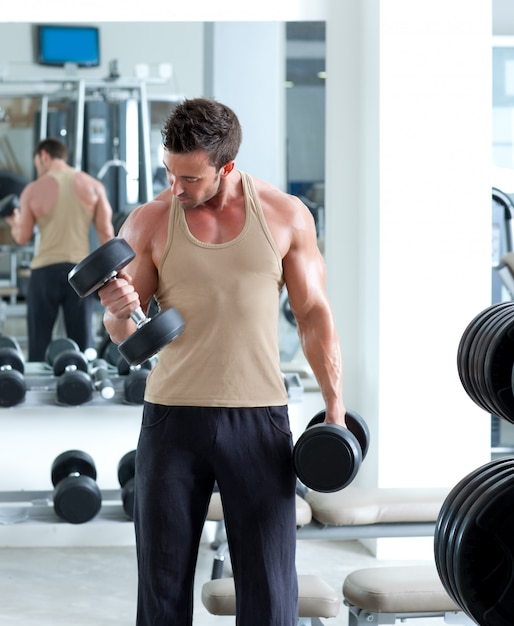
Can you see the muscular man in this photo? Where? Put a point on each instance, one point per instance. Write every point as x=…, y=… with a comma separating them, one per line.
x=62, y=202
x=219, y=245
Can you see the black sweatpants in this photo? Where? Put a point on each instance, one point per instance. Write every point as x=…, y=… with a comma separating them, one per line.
x=48, y=290
x=181, y=452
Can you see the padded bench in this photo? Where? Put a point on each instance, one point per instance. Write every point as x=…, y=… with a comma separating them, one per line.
x=316, y=599
x=366, y=512
x=382, y=595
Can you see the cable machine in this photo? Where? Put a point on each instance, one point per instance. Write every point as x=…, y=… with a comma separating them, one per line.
x=107, y=130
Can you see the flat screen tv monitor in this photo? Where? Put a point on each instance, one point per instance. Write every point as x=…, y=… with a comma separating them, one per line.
x=58, y=45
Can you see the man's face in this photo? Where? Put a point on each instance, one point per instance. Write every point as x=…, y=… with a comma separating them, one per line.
x=193, y=179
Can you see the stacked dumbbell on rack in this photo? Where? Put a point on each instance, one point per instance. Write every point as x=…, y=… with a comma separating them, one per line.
x=70, y=376
x=76, y=497
x=473, y=541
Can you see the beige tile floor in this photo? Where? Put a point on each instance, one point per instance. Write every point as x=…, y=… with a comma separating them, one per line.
x=97, y=586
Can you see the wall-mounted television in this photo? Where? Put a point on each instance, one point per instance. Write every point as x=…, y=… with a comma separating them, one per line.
x=58, y=45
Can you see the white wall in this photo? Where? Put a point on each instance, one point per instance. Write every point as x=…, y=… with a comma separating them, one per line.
x=154, y=10
x=409, y=227
x=249, y=77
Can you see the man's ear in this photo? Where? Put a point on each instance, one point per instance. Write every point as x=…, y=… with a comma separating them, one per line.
x=227, y=168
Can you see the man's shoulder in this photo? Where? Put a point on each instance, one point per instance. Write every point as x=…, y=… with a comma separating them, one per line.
x=274, y=197
x=152, y=210
x=41, y=183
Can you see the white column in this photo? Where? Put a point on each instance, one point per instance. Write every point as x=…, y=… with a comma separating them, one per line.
x=245, y=69
x=408, y=222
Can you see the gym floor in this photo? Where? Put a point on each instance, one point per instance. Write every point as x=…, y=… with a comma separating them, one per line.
x=85, y=586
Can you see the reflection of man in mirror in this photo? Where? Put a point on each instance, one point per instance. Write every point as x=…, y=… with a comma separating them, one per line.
x=59, y=208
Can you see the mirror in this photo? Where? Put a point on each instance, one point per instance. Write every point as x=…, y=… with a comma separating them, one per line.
x=37, y=101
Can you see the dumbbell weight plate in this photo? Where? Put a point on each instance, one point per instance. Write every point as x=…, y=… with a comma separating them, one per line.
x=488, y=319
x=355, y=424
x=56, y=346
x=134, y=386
x=69, y=358
x=126, y=471
x=72, y=462
x=483, y=566
x=466, y=342
x=97, y=268
x=450, y=509
x=127, y=467
x=503, y=319
x=8, y=204
x=11, y=357
x=13, y=388
x=7, y=341
x=481, y=484
x=498, y=363
x=74, y=388
x=77, y=498
x=12, y=382
x=127, y=498
x=153, y=335
x=327, y=457
x=477, y=357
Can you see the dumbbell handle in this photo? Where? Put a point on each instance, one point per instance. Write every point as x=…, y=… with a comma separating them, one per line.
x=103, y=383
x=137, y=316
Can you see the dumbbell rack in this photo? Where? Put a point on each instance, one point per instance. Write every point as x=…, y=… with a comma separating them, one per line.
x=32, y=434
x=36, y=506
x=28, y=519
x=39, y=378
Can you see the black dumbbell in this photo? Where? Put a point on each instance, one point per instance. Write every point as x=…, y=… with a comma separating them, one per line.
x=77, y=497
x=8, y=204
x=56, y=346
x=13, y=387
x=65, y=343
x=101, y=374
x=327, y=457
x=74, y=384
x=8, y=341
x=126, y=473
x=134, y=380
x=152, y=333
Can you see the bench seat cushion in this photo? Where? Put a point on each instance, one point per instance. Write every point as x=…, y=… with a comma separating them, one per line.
x=398, y=589
x=363, y=505
x=316, y=598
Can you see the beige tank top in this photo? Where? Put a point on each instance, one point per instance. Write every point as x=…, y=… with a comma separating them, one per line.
x=64, y=231
x=228, y=294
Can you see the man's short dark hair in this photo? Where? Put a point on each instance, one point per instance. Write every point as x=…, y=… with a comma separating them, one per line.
x=203, y=124
x=54, y=147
